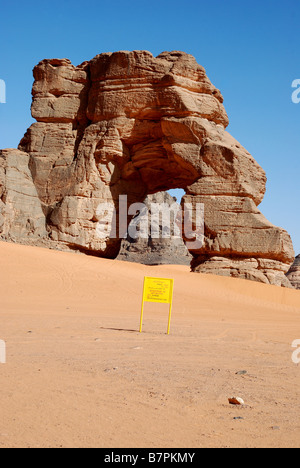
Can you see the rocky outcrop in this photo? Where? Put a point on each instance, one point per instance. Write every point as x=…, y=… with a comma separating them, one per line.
x=21, y=214
x=294, y=273
x=132, y=124
x=158, y=244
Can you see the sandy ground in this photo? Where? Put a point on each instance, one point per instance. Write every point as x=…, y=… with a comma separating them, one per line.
x=78, y=373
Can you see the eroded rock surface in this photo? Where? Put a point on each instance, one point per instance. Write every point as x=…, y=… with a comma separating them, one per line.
x=294, y=273
x=153, y=240
x=21, y=213
x=132, y=124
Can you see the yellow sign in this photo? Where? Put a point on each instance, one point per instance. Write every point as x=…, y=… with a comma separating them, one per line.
x=158, y=290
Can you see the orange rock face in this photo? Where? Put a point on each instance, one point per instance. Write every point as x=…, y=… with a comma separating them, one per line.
x=132, y=124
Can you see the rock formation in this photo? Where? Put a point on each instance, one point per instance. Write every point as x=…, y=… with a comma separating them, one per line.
x=21, y=213
x=158, y=248
x=294, y=273
x=132, y=124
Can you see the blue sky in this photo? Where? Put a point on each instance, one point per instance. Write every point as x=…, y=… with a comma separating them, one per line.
x=250, y=50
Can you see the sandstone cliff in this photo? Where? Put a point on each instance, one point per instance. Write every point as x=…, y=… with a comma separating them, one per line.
x=294, y=273
x=129, y=123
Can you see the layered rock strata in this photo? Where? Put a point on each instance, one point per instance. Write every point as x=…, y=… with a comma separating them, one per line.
x=132, y=124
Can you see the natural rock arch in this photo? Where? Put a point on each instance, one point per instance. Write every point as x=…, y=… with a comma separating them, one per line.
x=130, y=123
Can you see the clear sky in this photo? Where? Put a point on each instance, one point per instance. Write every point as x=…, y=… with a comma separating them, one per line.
x=250, y=50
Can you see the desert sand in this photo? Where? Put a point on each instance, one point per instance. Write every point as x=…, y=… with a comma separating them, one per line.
x=79, y=374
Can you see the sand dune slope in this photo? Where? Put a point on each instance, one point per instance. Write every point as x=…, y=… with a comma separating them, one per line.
x=78, y=373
